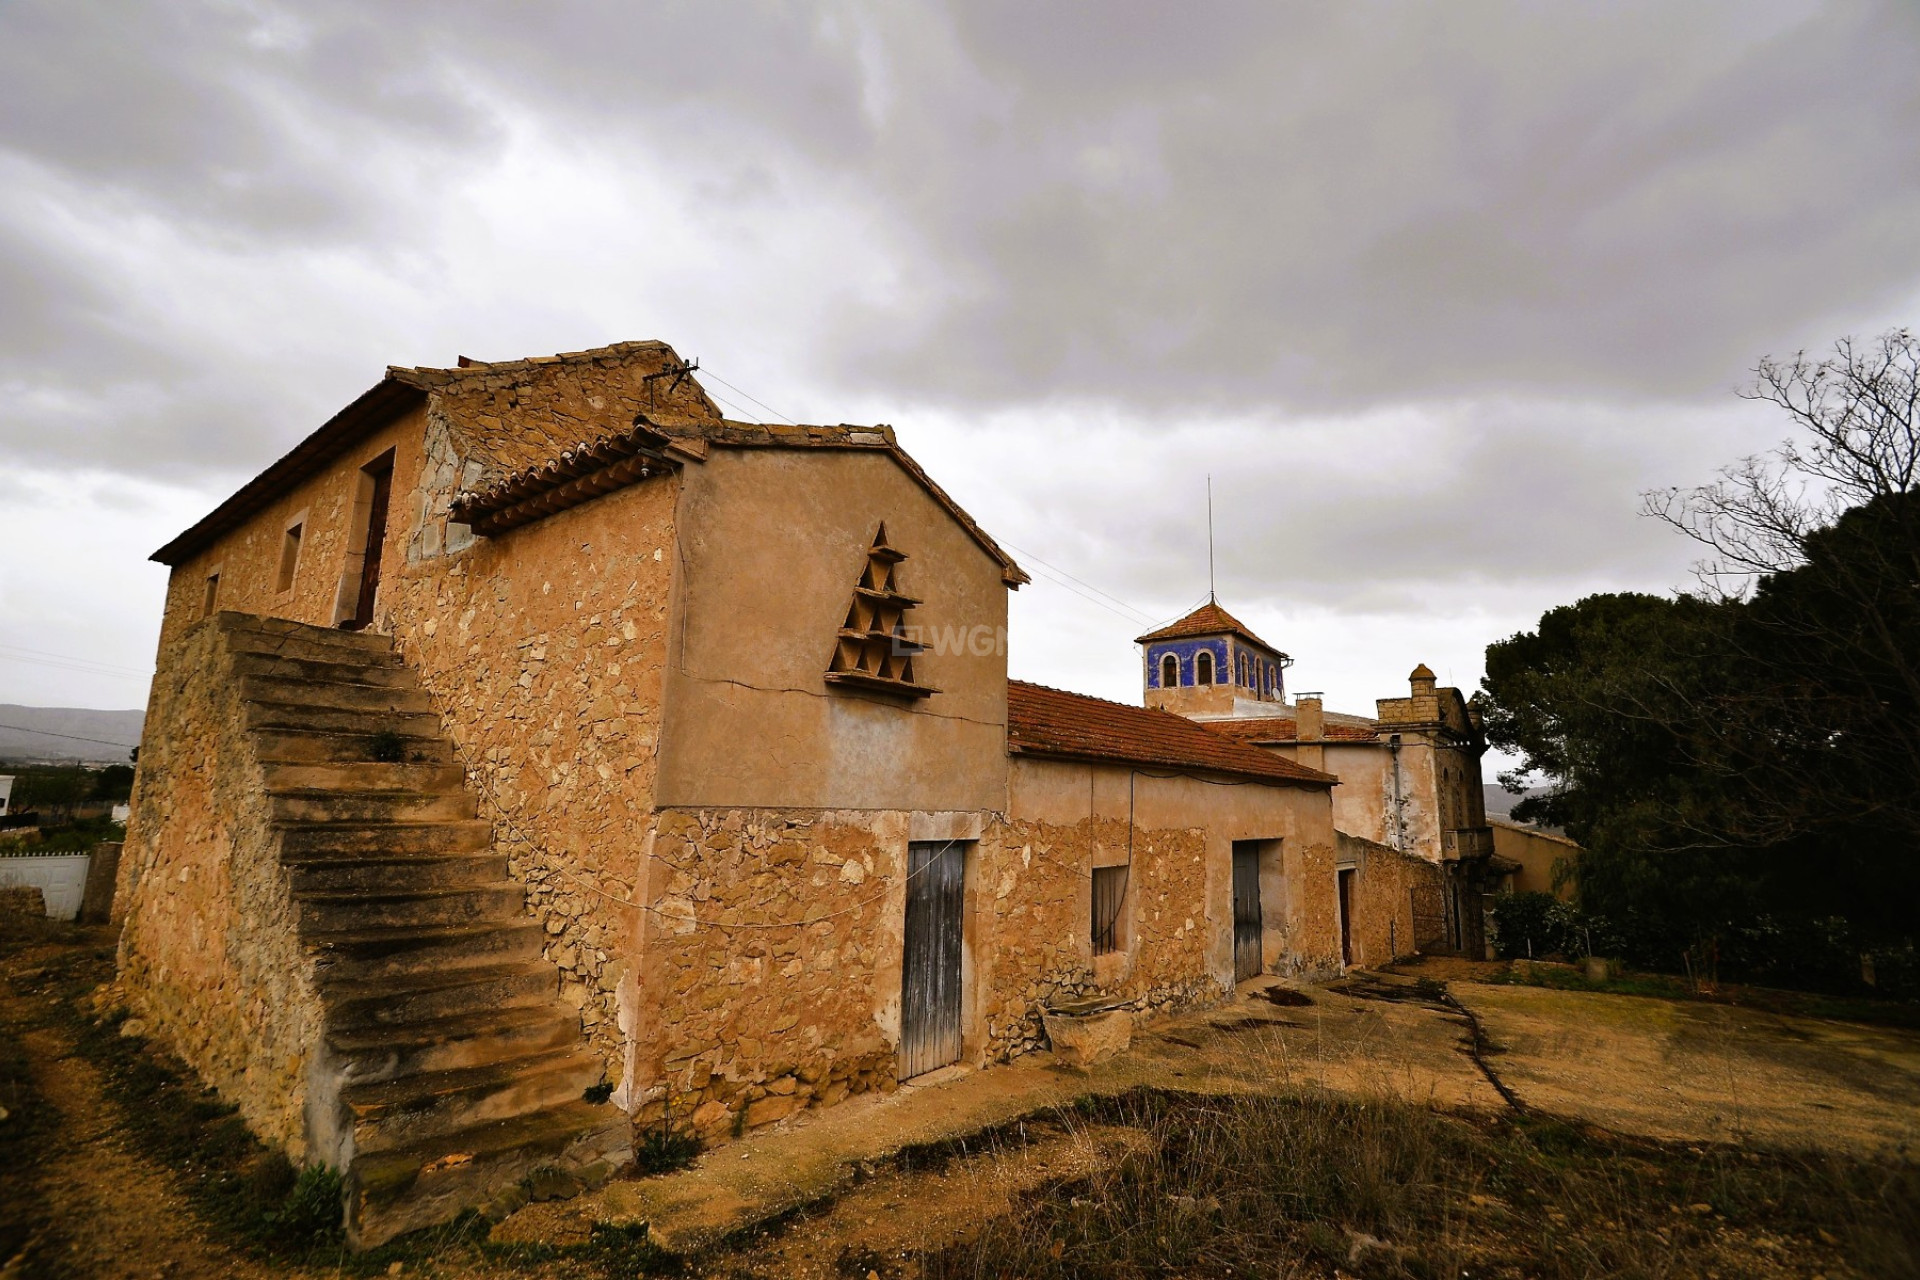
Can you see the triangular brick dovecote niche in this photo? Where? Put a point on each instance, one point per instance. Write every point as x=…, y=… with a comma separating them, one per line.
x=872, y=652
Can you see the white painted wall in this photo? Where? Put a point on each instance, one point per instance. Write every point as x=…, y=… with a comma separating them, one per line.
x=60, y=877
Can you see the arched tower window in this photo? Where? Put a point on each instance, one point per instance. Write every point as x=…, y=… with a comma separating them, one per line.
x=1203, y=667
x=1169, y=672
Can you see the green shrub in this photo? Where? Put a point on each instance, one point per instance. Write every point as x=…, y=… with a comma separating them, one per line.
x=1534, y=926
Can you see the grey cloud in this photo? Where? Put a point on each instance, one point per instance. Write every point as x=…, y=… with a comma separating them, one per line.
x=1253, y=207
x=1438, y=200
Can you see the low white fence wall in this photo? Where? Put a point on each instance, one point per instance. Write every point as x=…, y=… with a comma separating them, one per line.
x=60, y=877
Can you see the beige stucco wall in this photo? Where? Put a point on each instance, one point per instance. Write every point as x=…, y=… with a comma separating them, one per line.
x=1538, y=853
x=1439, y=790
x=773, y=544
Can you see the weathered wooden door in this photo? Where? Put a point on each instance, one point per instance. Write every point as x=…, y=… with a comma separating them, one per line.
x=1246, y=910
x=382, y=474
x=930, y=995
x=1345, y=881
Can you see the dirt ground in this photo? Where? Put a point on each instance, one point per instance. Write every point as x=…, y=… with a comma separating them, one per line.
x=102, y=1210
x=845, y=1191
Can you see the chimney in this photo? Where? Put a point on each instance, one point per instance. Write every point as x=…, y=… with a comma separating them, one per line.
x=1310, y=720
x=1309, y=728
x=1422, y=681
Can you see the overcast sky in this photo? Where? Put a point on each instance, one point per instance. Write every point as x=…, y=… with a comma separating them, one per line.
x=1432, y=291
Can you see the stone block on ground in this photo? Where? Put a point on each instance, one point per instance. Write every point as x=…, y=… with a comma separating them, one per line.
x=1082, y=1039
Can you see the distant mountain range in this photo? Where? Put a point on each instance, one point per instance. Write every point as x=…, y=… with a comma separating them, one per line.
x=1500, y=801
x=44, y=734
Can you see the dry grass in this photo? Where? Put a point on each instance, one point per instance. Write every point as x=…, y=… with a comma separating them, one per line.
x=1310, y=1184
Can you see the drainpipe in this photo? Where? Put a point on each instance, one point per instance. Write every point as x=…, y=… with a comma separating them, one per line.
x=1399, y=809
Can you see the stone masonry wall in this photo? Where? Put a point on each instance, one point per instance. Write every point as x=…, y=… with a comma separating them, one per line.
x=1313, y=949
x=772, y=956
x=1037, y=924
x=210, y=957
x=773, y=945
x=1382, y=899
x=248, y=559
x=543, y=650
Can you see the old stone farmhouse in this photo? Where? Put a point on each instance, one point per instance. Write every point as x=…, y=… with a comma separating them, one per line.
x=536, y=754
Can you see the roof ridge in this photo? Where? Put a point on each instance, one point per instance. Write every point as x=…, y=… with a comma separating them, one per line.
x=1041, y=722
x=482, y=368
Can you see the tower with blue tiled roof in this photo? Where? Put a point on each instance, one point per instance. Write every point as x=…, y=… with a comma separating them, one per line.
x=1211, y=664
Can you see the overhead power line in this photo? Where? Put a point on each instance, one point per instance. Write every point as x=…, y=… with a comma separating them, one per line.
x=71, y=737
x=66, y=662
x=737, y=391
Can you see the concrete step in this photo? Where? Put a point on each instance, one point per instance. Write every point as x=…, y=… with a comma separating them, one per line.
x=323, y=746
x=367, y=698
x=300, y=715
x=352, y=668
x=397, y=875
x=363, y=955
x=412, y=908
x=427, y=997
x=397, y=1113
x=451, y=1044
x=279, y=638
x=366, y=776
x=359, y=807
x=431, y=1181
x=303, y=843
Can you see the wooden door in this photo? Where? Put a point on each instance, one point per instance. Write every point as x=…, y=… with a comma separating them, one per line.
x=930, y=982
x=1246, y=910
x=376, y=540
x=1345, y=878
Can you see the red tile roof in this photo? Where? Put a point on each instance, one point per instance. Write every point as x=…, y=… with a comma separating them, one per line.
x=1208, y=620
x=1286, y=729
x=1072, y=726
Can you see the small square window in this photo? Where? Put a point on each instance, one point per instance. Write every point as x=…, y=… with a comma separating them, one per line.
x=1109, y=901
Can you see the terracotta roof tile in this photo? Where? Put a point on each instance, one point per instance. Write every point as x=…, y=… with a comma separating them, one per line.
x=1209, y=619
x=1073, y=726
x=1286, y=729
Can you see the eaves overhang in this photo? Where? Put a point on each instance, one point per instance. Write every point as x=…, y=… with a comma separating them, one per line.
x=380, y=405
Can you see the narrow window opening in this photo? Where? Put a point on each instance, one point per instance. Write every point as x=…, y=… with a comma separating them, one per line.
x=1203, y=668
x=212, y=601
x=1169, y=672
x=1109, y=901
x=289, y=557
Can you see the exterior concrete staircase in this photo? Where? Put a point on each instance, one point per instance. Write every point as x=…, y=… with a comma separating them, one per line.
x=452, y=1068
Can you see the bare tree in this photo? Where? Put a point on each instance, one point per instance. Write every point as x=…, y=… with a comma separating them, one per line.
x=1821, y=539
x=1858, y=439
